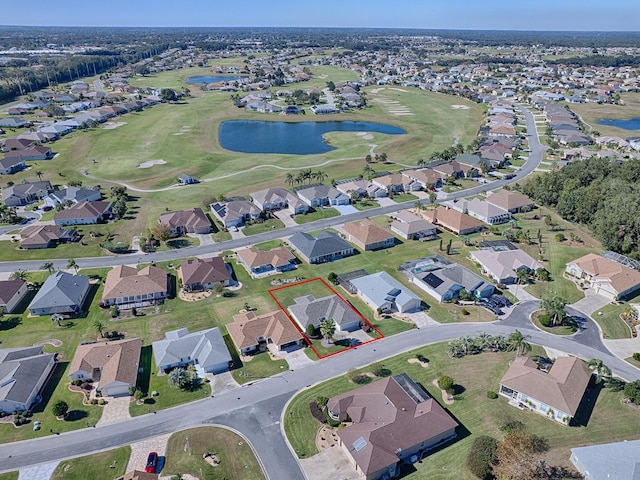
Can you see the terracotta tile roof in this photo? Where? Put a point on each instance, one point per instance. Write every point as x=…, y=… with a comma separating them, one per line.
x=365, y=232
x=562, y=388
x=246, y=328
x=387, y=415
x=118, y=360
x=254, y=257
x=203, y=270
x=127, y=281
x=622, y=278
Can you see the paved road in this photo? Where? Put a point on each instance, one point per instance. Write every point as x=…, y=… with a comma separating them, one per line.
x=109, y=261
x=255, y=409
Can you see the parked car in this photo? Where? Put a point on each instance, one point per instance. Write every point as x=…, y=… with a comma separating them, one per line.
x=152, y=461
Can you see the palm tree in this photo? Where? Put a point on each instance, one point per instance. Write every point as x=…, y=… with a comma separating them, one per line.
x=421, y=162
x=39, y=174
x=523, y=276
x=48, y=266
x=554, y=307
x=19, y=275
x=598, y=367
x=320, y=176
x=483, y=340
x=498, y=343
x=290, y=179
x=99, y=326
x=454, y=348
x=517, y=342
x=179, y=378
x=327, y=329
x=72, y=264
x=58, y=318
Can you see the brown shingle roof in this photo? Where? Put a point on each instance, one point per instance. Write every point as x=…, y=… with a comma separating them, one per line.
x=254, y=257
x=509, y=200
x=246, y=328
x=193, y=218
x=8, y=288
x=365, y=232
x=562, y=388
x=127, y=281
x=203, y=270
x=118, y=360
x=451, y=219
x=83, y=210
x=622, y=278
x=390, y=414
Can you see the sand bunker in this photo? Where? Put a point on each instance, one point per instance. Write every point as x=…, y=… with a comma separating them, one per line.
x=376, y=90
x=151, y=163
x=112, y=125
x=398, y=89
x=459, y=107
x=365, y=135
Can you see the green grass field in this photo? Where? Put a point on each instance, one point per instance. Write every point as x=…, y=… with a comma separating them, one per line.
x=237, y=460
x=592, y=112
x=108, y=464
x=609, y=421
x=610, y=322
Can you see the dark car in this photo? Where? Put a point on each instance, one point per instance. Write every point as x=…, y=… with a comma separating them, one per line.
x=152, y=461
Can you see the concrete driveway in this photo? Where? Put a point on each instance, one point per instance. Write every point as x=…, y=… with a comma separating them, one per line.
x=591, y=302
x=284, y=217
x=346, y=209
x=296, y=358
x=38, y=472
x=140, y=451
x=332, y=461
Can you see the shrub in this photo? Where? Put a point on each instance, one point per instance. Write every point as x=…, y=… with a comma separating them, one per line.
x=377, y=369
x=132, y=390
x=445, y=383
x=636, y=356
x=632, y=391
x=310, y=330
x=101, y=401
x=77, y=382
x=322, y=401
x=560, y=237
x=482, y=456
x=512, y=426
x=545, y=320
x=464, y=311
x=316, y=412
x=86, y=386
x=60, y=408
x=491, y=395
x=330, y=421
x=134, y=311
x=139, y=395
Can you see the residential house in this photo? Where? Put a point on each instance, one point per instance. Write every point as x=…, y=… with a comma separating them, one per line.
x=204, y=273
x=10, y=165
x=273, y=330
x=278, y=198
x=13, y=122
x=235, y=213
x=193, y=220
x=453, y=220
x=503, y=265
x=385, y=294
x=606, y=276
x=556, y=394
x=310, y=310
x=205, y=350
x=607, y=461
x=185, y=179
x=393, y=421
x=84, y=213
x=326, y=247
x=112, y=366
x=61, y=293
x=397, y=183
x=512, y=202
x=413, y=227
x=36, y=152
x=261, y=262
x=362, y=189
x=444, y=280
x=452, y=169
x=16, y=143
x=128, y=287
x=73, y=195
x=45, y=236
x=426, y=177
x=481, y=209
x=12, y=292
x=23, y=375
x=323, y=195
x=368, y=236
x=25, y=193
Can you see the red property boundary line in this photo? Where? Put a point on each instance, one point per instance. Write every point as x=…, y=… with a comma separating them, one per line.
x=304, y=335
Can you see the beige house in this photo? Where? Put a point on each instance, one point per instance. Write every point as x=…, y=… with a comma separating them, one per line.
x=186, y=221
x=556, y=394
x=261, y=262
x=607, y=277
x=203, y=274
x=251, y=333
x=510, y=201
x=112, y=366
x=368, y=236
x=128, y=287
x=453, y=220
x=394, y=421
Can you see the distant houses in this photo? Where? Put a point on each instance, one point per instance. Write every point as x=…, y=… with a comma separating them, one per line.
x=235, y=213
x=12, y=292
x=503, y=265
x=385, y=294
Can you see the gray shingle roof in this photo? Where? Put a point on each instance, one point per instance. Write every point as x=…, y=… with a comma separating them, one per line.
x=326, y=243
x=20, y=371
x=206, y=348
x=61, y=289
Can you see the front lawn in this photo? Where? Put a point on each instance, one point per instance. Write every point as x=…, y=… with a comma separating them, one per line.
x=108, y=464
x=266, y=226
x=610, y=322
x=237, y=460
x=365, y=204
x=316, y=214
x=9, y=475
x=611, y=420
x=260, y=365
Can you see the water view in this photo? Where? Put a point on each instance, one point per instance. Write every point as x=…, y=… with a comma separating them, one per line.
x=631, y=124
x=212, y=78
x=305, y=138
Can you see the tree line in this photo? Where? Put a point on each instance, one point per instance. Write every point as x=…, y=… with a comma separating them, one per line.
x=600, y=194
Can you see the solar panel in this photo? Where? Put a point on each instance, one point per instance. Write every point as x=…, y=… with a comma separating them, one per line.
x=359, y=444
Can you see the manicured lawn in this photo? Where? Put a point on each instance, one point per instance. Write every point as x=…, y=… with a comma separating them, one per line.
x=609, y=421
x=149, y=381
x=404, y=197
x=9, y=475
x=286, y=295
x=392, y=326
x=237, y=461
x=316, y=214
x=633, y=362
x=177, y=243
x=270, y=245
x=266, y=226
x=259, y=366
x=610, y=322
x=557, y=330
x=592, y=112
x=12, y=252
x=366, y=204
x=108, y=464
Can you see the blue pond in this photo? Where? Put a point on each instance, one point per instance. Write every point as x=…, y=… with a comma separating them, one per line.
x=631, y=124
x=304, y=138
x=211, y=79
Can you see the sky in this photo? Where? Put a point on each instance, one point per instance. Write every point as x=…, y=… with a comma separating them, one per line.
x=572, y=15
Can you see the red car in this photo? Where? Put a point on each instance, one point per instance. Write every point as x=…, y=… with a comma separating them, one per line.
x=152, y=460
